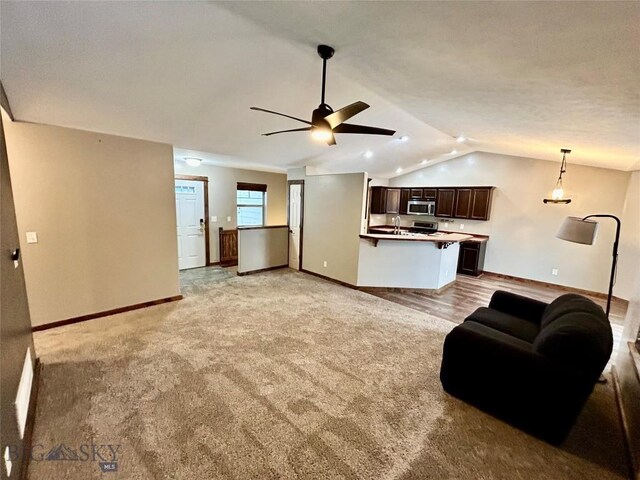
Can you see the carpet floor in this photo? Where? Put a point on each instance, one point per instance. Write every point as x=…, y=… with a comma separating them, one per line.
x=282, y=376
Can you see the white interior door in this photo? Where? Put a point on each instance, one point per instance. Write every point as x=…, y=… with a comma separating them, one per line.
x=295, y=222
x=190, y=221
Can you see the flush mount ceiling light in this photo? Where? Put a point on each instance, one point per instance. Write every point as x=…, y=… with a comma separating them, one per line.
x=557, y=196
x=453, y=152
x=403, y=138
x=461, y=139
x=192, y=161
x=367, y=154
x=399, y=170
x=423, y=162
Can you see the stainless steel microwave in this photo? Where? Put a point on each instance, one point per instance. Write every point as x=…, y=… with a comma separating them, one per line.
x=421, y=207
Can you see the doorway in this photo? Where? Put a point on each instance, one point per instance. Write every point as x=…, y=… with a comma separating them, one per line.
x=192, y=213
x=295, y=216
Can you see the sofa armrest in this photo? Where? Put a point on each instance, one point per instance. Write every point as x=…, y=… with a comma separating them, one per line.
x=518, y=306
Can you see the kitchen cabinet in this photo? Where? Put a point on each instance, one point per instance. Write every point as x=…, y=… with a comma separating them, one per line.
x=481, y=203
x=405, y=196
x=429, y=194
x=415, y=193
x=445, y=202
x=463, y=203
x=385, y=200
x=471, y=258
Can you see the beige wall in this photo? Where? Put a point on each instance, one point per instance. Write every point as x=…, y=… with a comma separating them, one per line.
x=104, y=211
x=522, y=228
x=260, y=248
x=333, y=221
x=222, y=196
x=629, y=251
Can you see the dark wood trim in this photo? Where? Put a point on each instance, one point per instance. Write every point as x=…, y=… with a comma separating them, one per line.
x=301, y=183
x=262, y=227
x=260, y=270
x=195, y=178
x=253, y=187
x=207, y=238
x=553, y=285
x=624, y=422
x=27, y=440
x=105, y=313
x=234, y=261
x=4, y=102
x=374, y=290
x=213, y=264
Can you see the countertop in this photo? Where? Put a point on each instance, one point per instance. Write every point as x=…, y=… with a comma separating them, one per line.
x=445, y=238
x=472, y=237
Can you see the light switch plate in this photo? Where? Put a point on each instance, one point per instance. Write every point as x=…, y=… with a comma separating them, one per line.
x=32, y=237
x=462, y=226
x=228, y=219
x=214, y=219
x=554, y=271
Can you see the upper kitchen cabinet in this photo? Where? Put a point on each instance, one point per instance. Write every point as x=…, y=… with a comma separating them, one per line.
x=445, y=202
x=481, y=203
x=415, y=193
x=429, y=194
x=385, y=200
x=463, y=203
x=405, y=196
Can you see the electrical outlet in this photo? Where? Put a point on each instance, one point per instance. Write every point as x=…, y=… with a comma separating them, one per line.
x=324, y=264
x=228, y=219
x=446, y=224
x=462, y=226
x=554, y=271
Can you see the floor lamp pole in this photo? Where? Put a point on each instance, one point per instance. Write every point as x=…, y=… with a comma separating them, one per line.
x=614, y=263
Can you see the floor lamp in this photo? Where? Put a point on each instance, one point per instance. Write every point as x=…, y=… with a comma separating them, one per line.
x=583, y=230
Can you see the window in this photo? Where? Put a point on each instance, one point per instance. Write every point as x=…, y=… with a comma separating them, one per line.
x=251, y=199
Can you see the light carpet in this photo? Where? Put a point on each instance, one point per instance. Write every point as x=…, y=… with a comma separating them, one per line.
x=281, y=376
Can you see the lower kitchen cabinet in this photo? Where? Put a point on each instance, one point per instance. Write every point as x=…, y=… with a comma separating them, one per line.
x=471, y=258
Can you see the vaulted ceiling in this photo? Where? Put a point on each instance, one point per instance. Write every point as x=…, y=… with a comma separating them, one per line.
x=517, y=78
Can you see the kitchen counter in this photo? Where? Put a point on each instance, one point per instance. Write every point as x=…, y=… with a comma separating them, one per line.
x=444, y=239
x=473, y=237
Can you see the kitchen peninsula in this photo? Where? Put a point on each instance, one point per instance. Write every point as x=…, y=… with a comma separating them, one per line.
x=416, y=261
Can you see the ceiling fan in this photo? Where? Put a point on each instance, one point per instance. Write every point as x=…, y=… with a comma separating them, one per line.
x=324, y=121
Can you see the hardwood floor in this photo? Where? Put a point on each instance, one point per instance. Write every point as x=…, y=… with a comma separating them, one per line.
x=468, y=293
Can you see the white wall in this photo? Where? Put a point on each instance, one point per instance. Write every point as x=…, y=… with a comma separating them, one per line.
x=333, y=221
x=104, y=210
x=522, y=228
x=629, y=250
x=260, y=248
x=222, y=196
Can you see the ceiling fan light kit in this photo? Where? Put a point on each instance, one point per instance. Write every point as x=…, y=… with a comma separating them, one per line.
x=324, y=121
x=557, y=196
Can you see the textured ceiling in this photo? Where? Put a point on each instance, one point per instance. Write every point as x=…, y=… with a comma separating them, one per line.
x=515, y=77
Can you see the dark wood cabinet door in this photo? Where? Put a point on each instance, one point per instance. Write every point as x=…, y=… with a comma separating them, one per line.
x=378, y=200
x=481, y=204
x=429, y=194
x=445, y=200
x=468, y=259
x=463, y=203
x=228, y=247
x=405, y=195
x=393, y=200
x=415, y=193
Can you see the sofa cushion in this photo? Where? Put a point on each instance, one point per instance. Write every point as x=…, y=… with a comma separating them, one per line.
x=575, y=331
x=505, y=323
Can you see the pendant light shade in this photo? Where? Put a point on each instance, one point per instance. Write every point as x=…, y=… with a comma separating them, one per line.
x=557, y=196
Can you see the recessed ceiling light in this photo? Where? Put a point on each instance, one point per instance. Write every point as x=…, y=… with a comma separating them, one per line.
x=193, y=162
x=368, y=154
x=424, y=161
x=461, y=139
x=403, y=138
x=399, y=170
x=453, y=152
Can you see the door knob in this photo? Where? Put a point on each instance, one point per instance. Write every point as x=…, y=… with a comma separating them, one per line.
x=15, y=255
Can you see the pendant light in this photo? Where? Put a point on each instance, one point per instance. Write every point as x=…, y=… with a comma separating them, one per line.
x=557, y=196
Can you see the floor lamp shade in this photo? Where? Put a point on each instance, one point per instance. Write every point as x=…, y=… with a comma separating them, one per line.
x=577, y=230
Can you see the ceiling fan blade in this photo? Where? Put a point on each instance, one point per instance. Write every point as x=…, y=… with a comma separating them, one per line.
x=303, y=129
x=362, y=129
x=281, y=114
x=332, y=140
x=336, y=118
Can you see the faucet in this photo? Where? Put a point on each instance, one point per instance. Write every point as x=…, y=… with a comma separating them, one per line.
x=396, y=225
